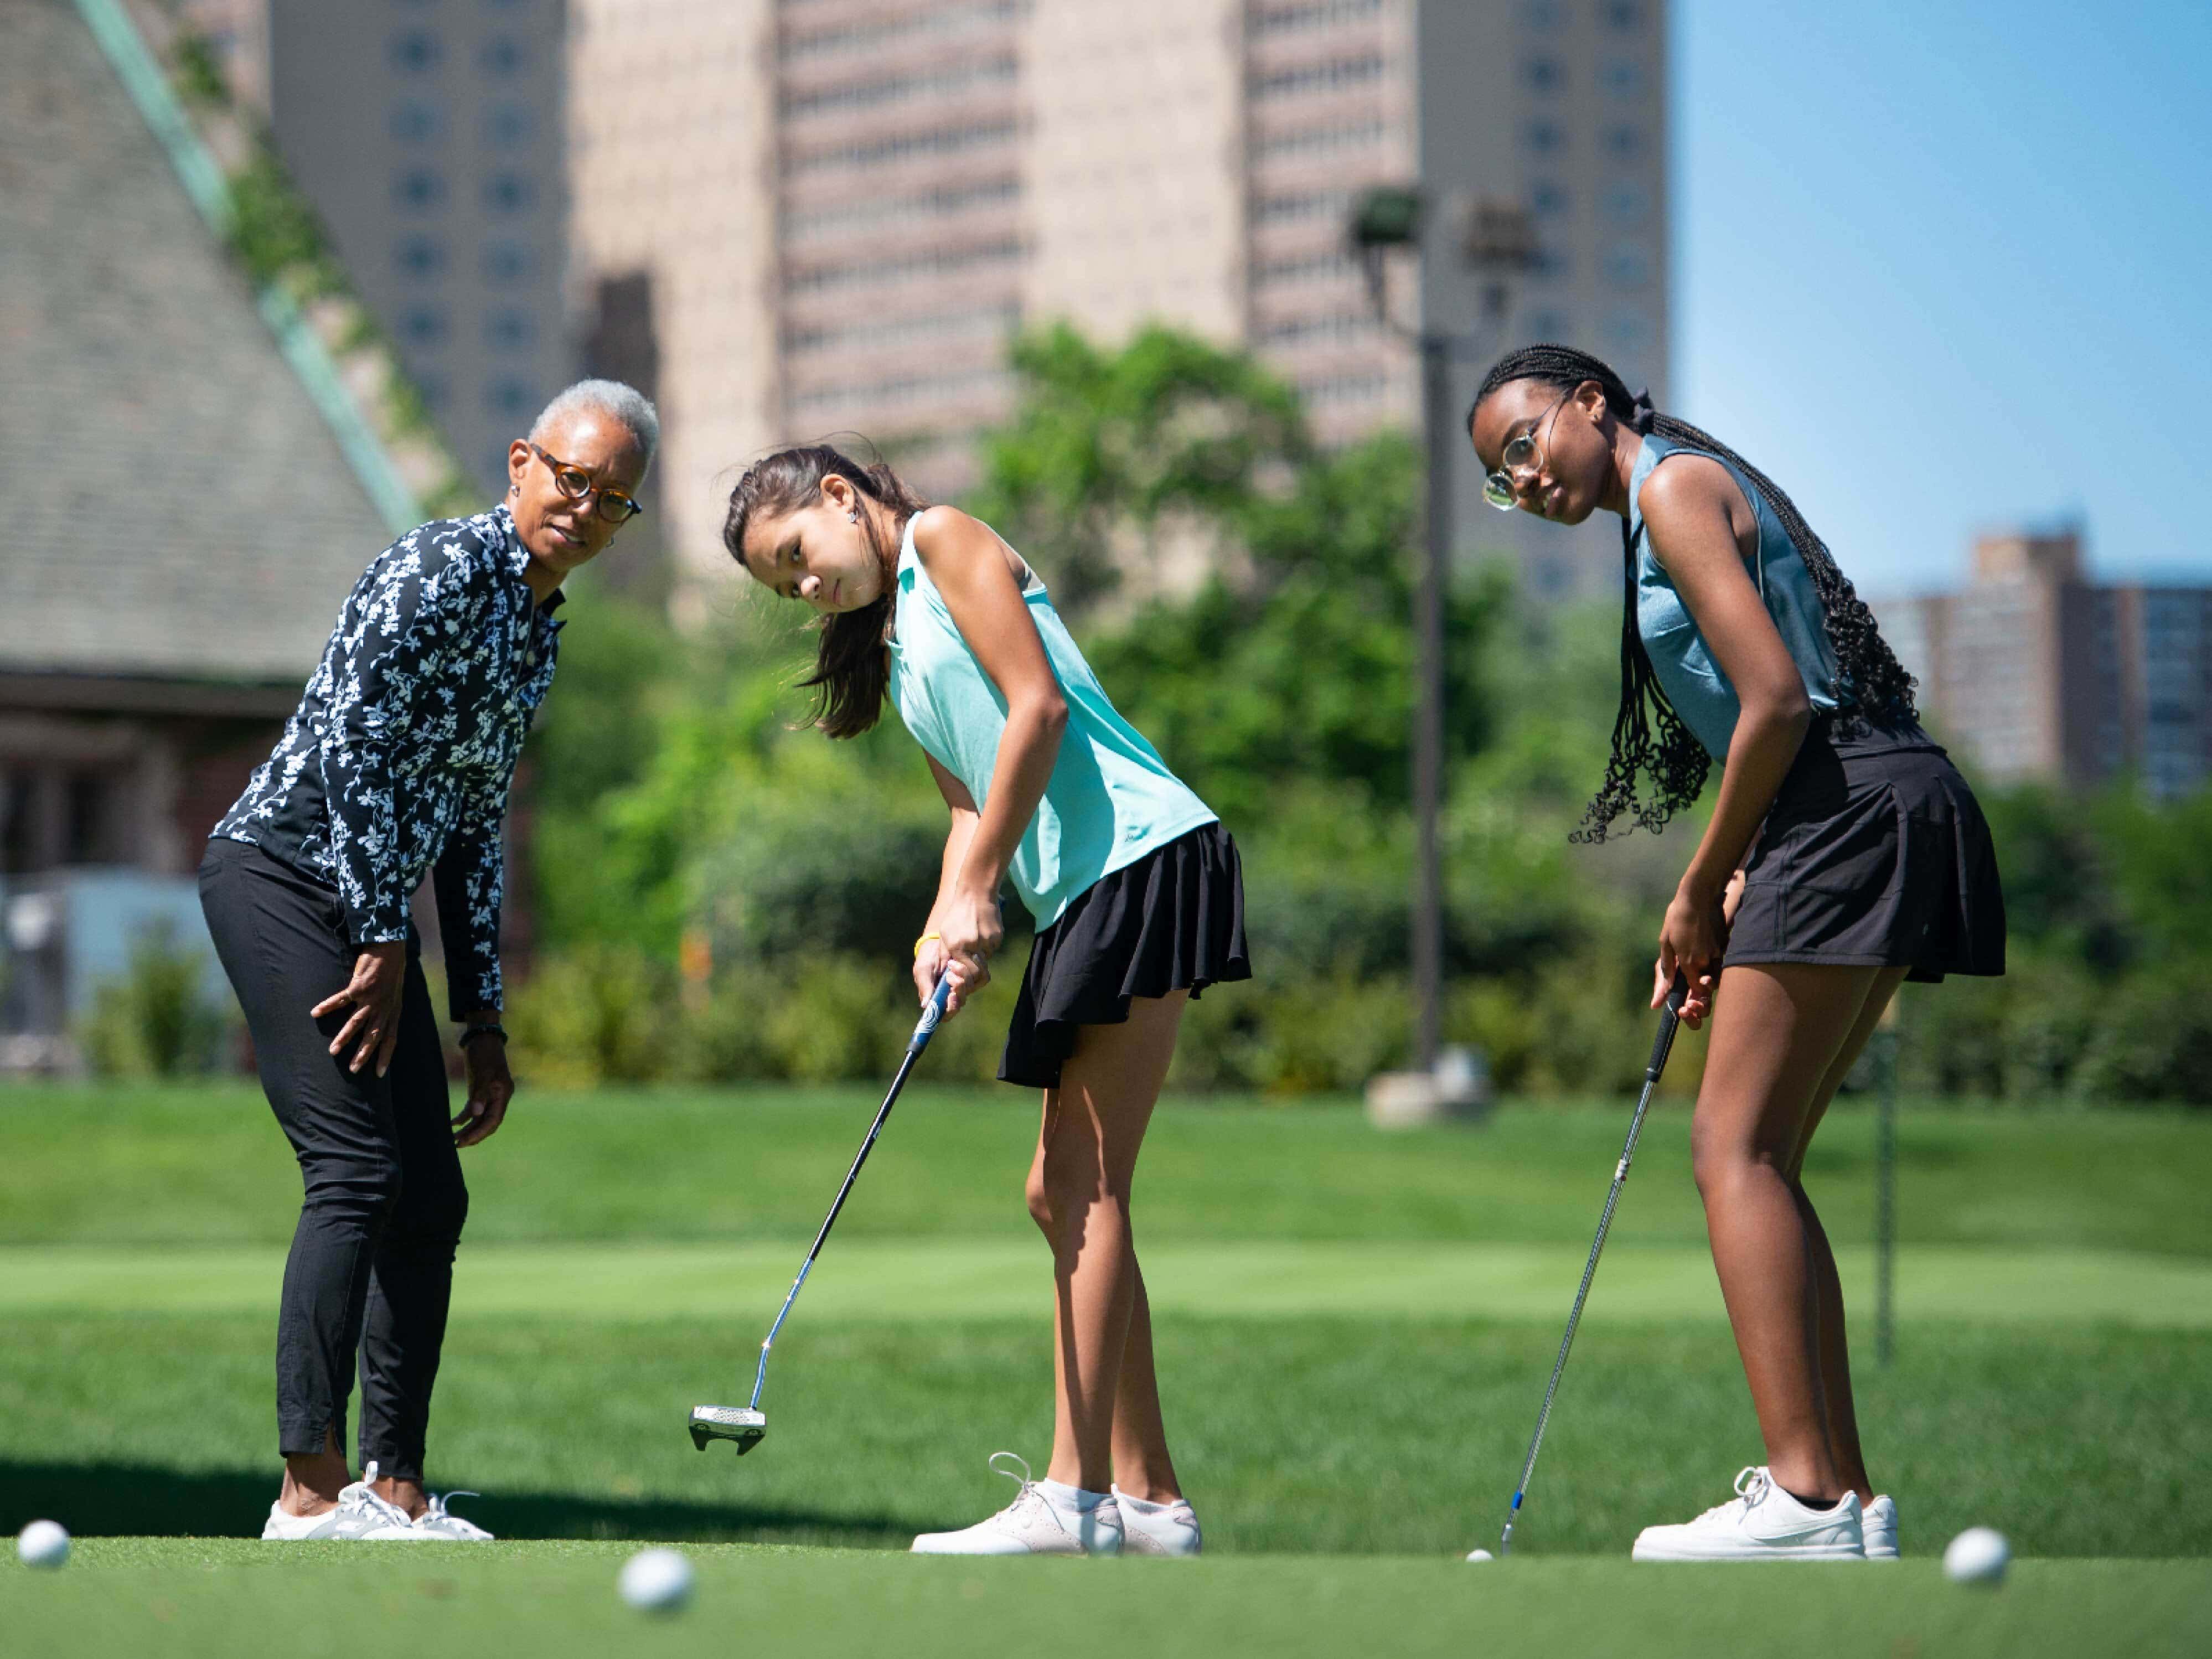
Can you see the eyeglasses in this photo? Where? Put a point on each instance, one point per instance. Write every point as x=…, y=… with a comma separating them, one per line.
x=615, y=506
x=1522, y=457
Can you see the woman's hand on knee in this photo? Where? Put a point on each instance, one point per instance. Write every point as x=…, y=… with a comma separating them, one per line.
x=379, y=982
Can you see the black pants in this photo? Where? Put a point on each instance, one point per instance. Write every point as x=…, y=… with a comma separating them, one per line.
x=371, y=1261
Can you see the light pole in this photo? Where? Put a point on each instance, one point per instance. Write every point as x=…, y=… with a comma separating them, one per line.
x=1496, y=242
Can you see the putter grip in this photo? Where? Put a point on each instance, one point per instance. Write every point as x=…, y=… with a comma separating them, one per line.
x=932, y=1013
x=1664, y=1040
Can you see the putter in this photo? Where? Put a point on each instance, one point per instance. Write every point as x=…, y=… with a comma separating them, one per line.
x=1669, y=1017
x=748, y=1424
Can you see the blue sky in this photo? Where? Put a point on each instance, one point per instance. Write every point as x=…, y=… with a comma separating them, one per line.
x=1945, y=266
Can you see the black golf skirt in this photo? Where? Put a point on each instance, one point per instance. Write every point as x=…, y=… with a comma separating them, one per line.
x=1875, y=854
x=1173, y=921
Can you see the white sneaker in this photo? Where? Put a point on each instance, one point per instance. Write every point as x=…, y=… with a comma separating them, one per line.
x=360, y=1514
x=1762, y=1523
x=1879, y=1526
x=1157, y=1528
x=1033, y=1524
x=441, y=1522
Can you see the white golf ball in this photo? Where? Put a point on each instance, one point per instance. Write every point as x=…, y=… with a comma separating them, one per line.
x=656, y=1581
x=1480, y=1555
x=1978, y=1555
x=43, y=1544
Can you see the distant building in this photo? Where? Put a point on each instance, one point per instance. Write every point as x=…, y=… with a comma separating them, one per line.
x=183, y=526
x=843, y=207
x=2038, y=673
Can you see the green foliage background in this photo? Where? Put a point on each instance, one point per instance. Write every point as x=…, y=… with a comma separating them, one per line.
x=675, y=795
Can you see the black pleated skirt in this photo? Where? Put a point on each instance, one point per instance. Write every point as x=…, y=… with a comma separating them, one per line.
x=1875, y=854
x=1173, y=921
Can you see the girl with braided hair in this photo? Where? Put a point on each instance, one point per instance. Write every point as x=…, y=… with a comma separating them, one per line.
x=1843, y=856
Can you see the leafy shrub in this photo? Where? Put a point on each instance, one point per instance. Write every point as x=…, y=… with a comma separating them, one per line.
x=157, y=1018
x=604, y=1014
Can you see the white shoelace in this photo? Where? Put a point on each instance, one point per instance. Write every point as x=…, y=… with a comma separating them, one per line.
x=437, y=1510
x=361, y=1499
x=1751, y=1484
x=1021, y=1481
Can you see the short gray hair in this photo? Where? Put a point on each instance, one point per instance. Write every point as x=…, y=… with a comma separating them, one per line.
x=625, y=403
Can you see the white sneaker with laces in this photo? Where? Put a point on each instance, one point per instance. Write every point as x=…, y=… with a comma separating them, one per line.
x=1762, y=1523
x=360, y=1515
x=1033, y=1524
x=1157, y=1528
x=440, y=1522
x=1879, y=1526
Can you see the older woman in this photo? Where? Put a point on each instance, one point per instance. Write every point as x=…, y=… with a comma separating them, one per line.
x=396, y=765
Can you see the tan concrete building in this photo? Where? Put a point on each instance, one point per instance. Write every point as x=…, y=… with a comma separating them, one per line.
x=841, y=208
x=2038, y=673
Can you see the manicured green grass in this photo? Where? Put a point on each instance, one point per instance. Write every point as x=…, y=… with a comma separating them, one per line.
x=207, y=1165
x=1302, y=1435
x=193, y=1598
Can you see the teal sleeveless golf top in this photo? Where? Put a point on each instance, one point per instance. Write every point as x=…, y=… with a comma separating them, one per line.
x=1111, y=798
x=1684, y=664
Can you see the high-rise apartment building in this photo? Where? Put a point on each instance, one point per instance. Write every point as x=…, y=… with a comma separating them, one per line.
x=875, y=193
x=430, y=136
x=811, y=217
x=2039, y=673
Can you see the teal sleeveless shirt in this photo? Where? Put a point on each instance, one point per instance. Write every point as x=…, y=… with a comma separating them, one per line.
x=1111, y=798
x=1684, y=664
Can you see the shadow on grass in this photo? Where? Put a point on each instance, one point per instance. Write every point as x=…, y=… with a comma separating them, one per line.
x=95, y=1500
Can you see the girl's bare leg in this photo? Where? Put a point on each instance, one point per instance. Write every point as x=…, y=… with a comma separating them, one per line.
x=1828, y=1285
x=1078, y=1191
x=1778, y=1029
x=1142, y=1467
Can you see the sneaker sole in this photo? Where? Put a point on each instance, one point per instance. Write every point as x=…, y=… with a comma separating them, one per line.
x=1778, y=1553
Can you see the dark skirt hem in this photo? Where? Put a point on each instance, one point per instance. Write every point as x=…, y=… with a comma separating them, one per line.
x=1173, y=920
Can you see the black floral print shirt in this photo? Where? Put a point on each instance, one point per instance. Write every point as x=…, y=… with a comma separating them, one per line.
x=399, y=757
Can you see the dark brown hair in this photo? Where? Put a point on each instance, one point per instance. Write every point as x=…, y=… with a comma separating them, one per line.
x=1648, y=736
x=852, y=664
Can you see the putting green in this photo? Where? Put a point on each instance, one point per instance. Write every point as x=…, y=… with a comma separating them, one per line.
x=878, y=1280
x=189, y=1597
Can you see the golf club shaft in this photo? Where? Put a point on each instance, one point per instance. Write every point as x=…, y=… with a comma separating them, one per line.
x=932, y=1013
x=1669, y=1018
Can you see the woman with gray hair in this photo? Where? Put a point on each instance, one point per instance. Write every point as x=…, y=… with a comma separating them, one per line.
x=396, y=765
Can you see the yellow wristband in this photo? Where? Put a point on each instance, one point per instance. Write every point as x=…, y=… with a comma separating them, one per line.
x=923, y=941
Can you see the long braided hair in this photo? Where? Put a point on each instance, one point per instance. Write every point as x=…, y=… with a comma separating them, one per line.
x=852, y=664
x=1649, y=737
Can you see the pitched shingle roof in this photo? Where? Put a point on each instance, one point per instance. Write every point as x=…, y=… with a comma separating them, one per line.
x=174, y=505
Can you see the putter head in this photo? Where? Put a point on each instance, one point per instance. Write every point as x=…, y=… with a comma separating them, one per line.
x=727, y=1423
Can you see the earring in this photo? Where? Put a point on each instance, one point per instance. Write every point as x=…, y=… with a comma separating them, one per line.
x=855, y=515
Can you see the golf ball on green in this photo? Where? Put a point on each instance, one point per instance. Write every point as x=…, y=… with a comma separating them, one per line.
x=656, y=1581
x=1480, y=1555
x=43, y=1544
x=1978, y=1555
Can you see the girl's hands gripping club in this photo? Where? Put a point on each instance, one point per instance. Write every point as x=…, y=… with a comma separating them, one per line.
x=963, y=934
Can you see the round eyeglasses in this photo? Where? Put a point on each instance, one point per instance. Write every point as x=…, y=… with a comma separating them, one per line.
x=1502, y=488
x=615, y=506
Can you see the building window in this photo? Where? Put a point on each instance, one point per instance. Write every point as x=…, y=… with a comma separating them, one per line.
x=1548, y=198
x=510, y=330
x=506, y=261
x=422, y=325
x=435, y=391
x=412, y=120
x=418, y=189
x=1330, y=74
x=1622, y=14
x=420, y=257
x=1544, y=75
x=508, y=192
x=507, y=126
x=502, y=56
x=1622, y=76
x=1551, y=262
x=1627, y=265
x=1545, y=15
x=413, y=52
x=1544, y=138
x=1628, y=202
x=511, y=397
x=1624, y=143
x=1551, y=325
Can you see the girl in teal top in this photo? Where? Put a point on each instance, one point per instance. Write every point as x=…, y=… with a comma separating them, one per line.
x=1134, y=887
x=1843, y=855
